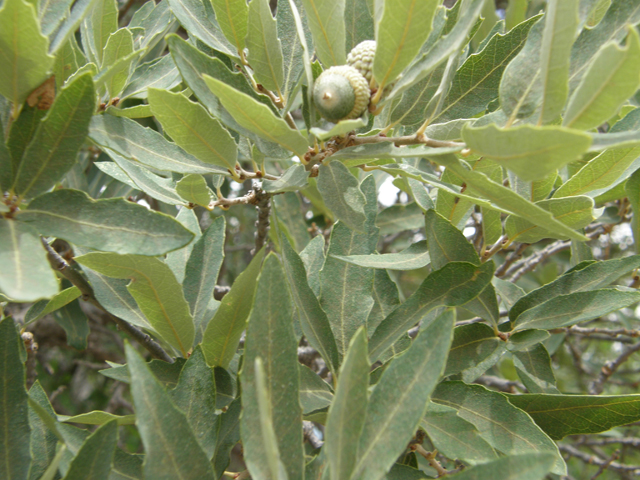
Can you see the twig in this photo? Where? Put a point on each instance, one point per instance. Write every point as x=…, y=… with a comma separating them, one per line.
x=614, y=456
x=431, y=458
x=263, y=205
x=575, y=330
x=309, y=432
x=31, y=347
x=220, y=292
x=530, y=263
x=594, y=460
x=629, y=441
x=495, y=248
x=403, y=140
x=512, y=257
x=58, y=263
x=609, y=368
x=501, y=384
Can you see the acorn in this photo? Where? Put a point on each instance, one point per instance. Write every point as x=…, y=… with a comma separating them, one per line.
x=361, y=58
x=341, y=93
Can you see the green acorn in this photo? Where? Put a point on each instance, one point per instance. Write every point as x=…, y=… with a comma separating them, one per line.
x=340, y=93
x=361, y=58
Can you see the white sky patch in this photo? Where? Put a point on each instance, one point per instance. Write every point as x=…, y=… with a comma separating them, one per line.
x=388, y=193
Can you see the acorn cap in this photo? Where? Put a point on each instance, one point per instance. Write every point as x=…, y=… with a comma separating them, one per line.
x=361, y=58
x=340, y=93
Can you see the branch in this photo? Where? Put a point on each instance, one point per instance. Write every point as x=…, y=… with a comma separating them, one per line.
x=263, y=204
x=594, y=460
x=58, y=263
x=609, y=368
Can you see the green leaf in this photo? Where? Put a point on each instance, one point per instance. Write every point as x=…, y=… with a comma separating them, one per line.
x=193, y=188
x=527, y=466
x=315, y=393
x=477, y=80
x=171, y=447
x=97, y=27
x=113, y=295
x=446, y=46
x=525, y=339
x=158, y=73
x=98, y=417
x=295, y=178
x=454, y=436
x=26, y=275
x=472, y=344
x=562, y=415
x=575, y=212
x=339, y=129
x=341, y=193
x=560, y=29
x=42, y=440
x=223, y=332
x=194, y=64
x=586, y=276
x=93, y=460
x=75, y=324
x=202, y=269
x=126, y=466
x=199, y=20
x=632, y=189
x=505, y=427
x=612, y=77
x=313, y=320
x=347, y=289
x=156, y=290
x=44, y=307
x=531, y=152
x=454, y=284
x=15, y=458
x=399, y=400
x=70, y=25
x=386, y=298
x=287, y=210
x=414, y=257
x=112, y=80
x=119, y=45
x=195, y=395
x=143, y=145
x=347, y=412
x=326, y=22
x=257, y=117
x=401, y=20
x=534, y=369
x=232, y=17
x=193, y=129
x=55, y=144
x=166, y=373
x=612, y=28
x=265, y=51
x=398, y=218
x=313, y=258
x=177, y=259
x=23, y=52
x=358, y=23
x=271, y=340
x=228, y=434
x=114, y=225
x=566, y=310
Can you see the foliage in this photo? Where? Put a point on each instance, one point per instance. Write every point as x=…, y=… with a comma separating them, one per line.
x=441, y=287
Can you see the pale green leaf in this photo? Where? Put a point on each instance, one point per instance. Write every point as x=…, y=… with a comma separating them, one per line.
x=232, y=17
x=15, y=458
x=400, y=33
x=531, y=152
x=148, y=147
x=575, y=212
x=265, y=51
x=295, y=178
x=158, y=73
x=527, y=466
x=397, y=218
x=113, y=79
x=326, y=22
x=223, y=332
x=93, y=460
x=156, y=290
x=339, y=129
x=55, y=144
x=271, y=339
x=560, y=30
x=114, y=225
x=119, y=44
x=98, y=417
x=70, y=25
x=23, y=52
x=97, y=27
x=472, y=344
x=399, y=399
x=453, y=285
x=562, y=415
x=313, y=320
x=358, y=23
x=171, y=448
x=44, y=307
x=341, y=193
x=26, y=275
x=612, y=77
x=505, y=427
x=75, y=324
x=414, y=257
x=347, y=412
x=632, y=189
x=193, y=188
x=257, y=117
x=534, y=368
